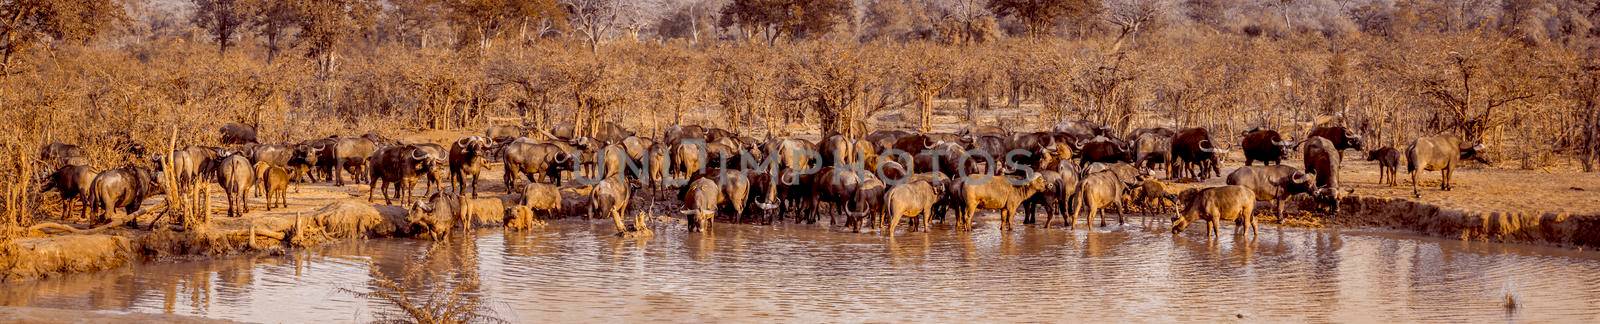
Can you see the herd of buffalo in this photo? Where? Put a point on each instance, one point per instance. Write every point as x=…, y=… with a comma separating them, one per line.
x=875, y=179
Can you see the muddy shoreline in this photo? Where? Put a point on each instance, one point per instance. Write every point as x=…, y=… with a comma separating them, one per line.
x=353, y=219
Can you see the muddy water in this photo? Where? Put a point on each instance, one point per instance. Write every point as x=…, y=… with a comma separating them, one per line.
x=576, y=271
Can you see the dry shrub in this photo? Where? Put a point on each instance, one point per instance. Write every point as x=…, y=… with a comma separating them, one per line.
x=358, y=219
x=447, y=272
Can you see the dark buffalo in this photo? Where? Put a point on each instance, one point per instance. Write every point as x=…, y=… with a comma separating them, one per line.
x=397, y=165
x=123, y=188
x=238, y=134
x=1265, y=145
x=467, y=158
x=531, y=159
x=677, y=134
x=1438, y=153
x=1215, y=205
x=1162, y=132
x=1341, y=137
x=1193, y=147
x=73, y=181
x=439, y=160
x=1388, y=160
x=837, y=150
x=1273, y=184
x=915, y=144
x=883, y=140
x=834, y=185
x=1320, y=155
x=1103, y=150
x=868, y=202
x=57, y=154
x=1151, y=149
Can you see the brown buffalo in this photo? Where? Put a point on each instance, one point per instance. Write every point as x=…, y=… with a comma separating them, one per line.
x=1438, y=153
x=236, y=176
x=868, y=201
x=1320, y=160
x=1214, y=205
x=435, y=216
x=120, y=189
x=996, y=193
x=274, y=182
x=610, y=199
x=700, y=203
x=911, y=199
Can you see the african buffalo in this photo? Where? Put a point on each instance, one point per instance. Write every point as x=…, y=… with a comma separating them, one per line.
x=499, y=132
x=123, y=188
x=435, y=216
x=467, y=159
x=73, y=181
x=1193, y=147
x=996, y=193
x=1214, y=205
x=911, y=199
x=868, y=201
x=236, y=175
x=1438, y=153
x=1102, y=150
x=351, y=154
x=57, y=154
x=399, y=166
x=610, y=199
x=1273, y=184
x=1151, y=149
x=1096, y=191
x=1319, y=158
x=542, y=197
x=274, y=183
x=1265, y=145
x=1388, y=162
x=530, y=159
x=237, y=134
x=1341, y=137
x=438, y=163
x=700, y=204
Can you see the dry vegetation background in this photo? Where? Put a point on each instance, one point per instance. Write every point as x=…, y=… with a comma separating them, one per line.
x=1520, y=75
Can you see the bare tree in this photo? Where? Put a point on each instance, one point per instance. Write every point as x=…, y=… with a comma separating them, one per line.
x=1132, y=16
x=598, y=19
x=222, y=19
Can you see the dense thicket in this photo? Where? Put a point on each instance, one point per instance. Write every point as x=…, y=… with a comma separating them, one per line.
x=1520, y=75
